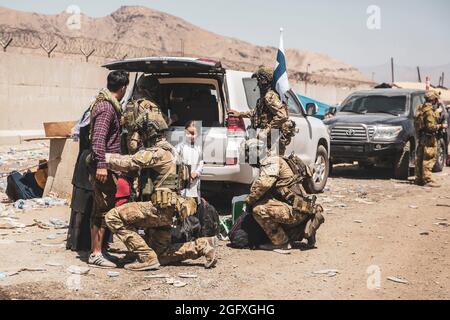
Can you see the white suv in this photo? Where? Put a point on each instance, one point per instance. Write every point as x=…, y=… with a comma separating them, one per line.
x=202, y=90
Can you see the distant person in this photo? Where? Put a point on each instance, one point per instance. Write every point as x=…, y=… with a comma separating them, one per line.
x=106, y=118
x=191, y=154
x=442, y=117
x=427, y=128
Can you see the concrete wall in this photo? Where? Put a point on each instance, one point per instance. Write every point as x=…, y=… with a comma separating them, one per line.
x=36, y=89
x=330, y=94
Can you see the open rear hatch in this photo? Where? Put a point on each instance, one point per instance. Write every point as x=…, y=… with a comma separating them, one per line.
x=178, y=66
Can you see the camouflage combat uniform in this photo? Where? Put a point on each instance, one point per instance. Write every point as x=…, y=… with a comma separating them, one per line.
x=133, y=109
x=426, y=131
x=144, y=100
x=278, y=200
x=156, y=217
x=270, y=112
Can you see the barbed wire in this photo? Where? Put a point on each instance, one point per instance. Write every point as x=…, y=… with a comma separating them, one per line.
x=32, y=39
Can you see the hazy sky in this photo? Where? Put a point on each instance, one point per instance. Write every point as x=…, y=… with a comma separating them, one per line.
x=415, y=32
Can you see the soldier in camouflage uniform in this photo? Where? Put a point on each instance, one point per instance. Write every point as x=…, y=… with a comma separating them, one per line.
x=270, y=112
x=145, y=99
x=426, y=126
x=156, y=216
x=442, y=118
x=278, y=201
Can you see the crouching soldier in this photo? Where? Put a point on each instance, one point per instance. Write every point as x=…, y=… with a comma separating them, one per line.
x=155, y=216
x=145, y=99
x=278, y=201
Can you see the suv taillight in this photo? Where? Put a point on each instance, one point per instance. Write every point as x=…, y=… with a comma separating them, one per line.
x=236, y=129
x=235, y=124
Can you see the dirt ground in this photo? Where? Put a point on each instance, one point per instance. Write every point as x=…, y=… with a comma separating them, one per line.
x=375, y=228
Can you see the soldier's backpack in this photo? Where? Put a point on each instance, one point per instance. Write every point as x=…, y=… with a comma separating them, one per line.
x=246, y=233
x=209, y=219
x=187, y=230
x=298, y=166
x=22, y=186
x=205, y=223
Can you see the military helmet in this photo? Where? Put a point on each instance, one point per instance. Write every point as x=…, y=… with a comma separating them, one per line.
x=150, y=124
x=264, y=75
x=431, y=95
x=147, y=83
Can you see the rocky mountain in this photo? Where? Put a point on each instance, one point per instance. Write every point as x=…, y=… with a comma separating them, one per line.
x=135, y=31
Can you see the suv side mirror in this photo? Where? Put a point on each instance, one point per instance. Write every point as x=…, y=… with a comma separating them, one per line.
x=311, y=109
x=332, y=111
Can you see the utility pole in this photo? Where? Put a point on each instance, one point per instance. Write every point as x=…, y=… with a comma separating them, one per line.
x=306, y=77
x=392, y=70
x=182, y=47
x=443, y=77
x=418, y=74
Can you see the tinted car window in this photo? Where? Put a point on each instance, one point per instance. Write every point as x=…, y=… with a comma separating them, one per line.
x=251, y=91
x=292, y=105
x=376, y=104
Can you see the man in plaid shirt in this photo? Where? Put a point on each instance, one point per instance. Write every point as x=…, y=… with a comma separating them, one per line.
x=106, y=119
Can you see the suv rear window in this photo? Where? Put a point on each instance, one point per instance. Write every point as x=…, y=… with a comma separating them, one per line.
x=191, y=101
x=375, y=104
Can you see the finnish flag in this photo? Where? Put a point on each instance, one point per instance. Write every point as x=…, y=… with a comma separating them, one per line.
x=280, y=76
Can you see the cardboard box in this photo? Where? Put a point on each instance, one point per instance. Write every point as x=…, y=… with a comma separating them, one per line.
x=59, y=129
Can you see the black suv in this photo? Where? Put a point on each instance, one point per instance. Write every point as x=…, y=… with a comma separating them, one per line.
x=376, y=127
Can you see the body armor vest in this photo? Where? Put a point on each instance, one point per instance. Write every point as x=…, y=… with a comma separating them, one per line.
x=289, y=188
x=262, y=116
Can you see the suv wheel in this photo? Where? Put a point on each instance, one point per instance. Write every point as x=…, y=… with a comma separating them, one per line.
x=401, y=163
x=322, y=169
x=441, y=156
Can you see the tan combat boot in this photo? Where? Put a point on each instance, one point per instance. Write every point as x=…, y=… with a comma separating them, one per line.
x=313, y=225
x=143, y=263
x=432, y=185
x=210, y=252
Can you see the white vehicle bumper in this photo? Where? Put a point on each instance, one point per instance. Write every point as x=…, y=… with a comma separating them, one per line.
x=243, y=173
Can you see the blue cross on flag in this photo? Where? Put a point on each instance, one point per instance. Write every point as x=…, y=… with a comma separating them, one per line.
x=280, y=76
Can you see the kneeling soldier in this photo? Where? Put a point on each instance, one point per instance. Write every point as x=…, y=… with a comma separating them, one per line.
x=156, y=217
x=278, y=201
